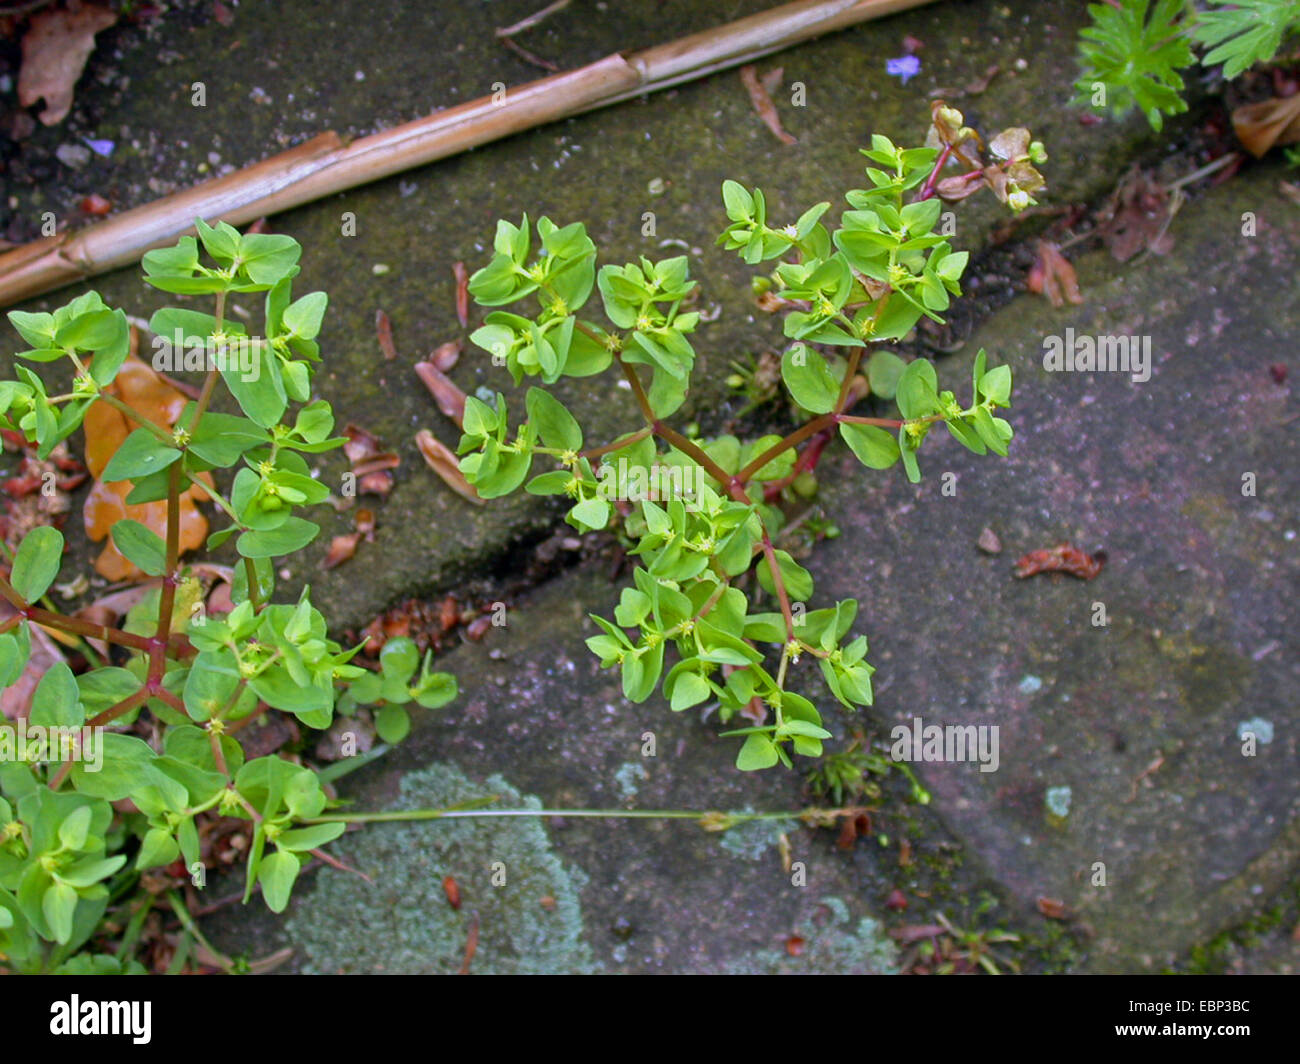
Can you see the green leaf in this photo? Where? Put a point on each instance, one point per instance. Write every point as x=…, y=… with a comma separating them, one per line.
x=883, y=371
x=310, y=838
x=293, y=535
x=127, y=764
x=1245, y=32
x=757, y=752
x=277, y=875
x=57, y=701
x=875, y=448
x=810, y=380
x=555, y=426
x=996, y=385
x=392, y=723
x=36, y=328
x=399, y=659
x=57, y=906
x=222, y=439
x=268, y=257
x=37, y=562
x=141, y=546
x=303, y=316
x=798, y=581
x=140, y=455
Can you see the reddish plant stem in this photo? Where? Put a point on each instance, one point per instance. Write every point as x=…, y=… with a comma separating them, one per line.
x=769, y=552
x=927, y=190
x=618, y=445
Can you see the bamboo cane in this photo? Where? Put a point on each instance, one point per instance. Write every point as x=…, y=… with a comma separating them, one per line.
x=325, y=164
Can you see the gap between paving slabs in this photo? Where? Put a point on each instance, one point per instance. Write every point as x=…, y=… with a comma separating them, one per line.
x=597, y=168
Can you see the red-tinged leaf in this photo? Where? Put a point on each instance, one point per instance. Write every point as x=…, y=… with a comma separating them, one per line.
x=762, y=101
x=341, y=549
x=471, y=944
x=452, y=889
x=450, y=399
x=384, y=332
x=1053, y=275
x=443, y=462
x=1062, y=559
x=1053, y=908
x=462, y=293
x=445, y=356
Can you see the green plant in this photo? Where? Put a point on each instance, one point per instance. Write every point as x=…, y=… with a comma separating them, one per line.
x=1132, y=53
x=868, y=281
x=82, y=817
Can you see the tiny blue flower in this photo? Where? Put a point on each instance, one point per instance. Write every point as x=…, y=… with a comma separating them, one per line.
x=905, y=67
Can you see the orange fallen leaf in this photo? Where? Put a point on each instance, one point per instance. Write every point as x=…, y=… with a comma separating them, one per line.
x=450, y=399
x=1053, y=276
x=1062, y=559
x=1260, y=126
x=55, y=49
x=759, y=95
x=443, y=462
x=105, y=427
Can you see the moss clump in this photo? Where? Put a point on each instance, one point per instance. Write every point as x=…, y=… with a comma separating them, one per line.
x=529, y=924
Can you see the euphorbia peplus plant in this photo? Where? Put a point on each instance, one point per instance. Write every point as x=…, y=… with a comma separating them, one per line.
x=865, y=283
x=64, y=845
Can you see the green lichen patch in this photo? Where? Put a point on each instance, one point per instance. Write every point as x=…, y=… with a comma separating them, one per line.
x=831, y=945
x=525, y=899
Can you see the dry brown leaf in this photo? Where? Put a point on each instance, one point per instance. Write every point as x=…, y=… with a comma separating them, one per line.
x=156, y=400
x=462, y=293
x=1053, y=276
x=341, y=549
x=450, y=399
x=443, y=461
x=55, y=49
x=1260, y=126
x=1136, y=218
x=384, y=332
x=762, y=101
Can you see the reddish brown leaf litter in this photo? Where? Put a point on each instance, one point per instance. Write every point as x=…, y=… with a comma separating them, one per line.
x=897, y=901
x=1136, y=217
x=452, y=889
x=384, y=333
x=1062, y=559
x=95, y=205
x=462, y=293
x=760, y=90
x=55, y=49
x=450, y=399
x=371, y=464
x=432, y=625
x=442, y=460
x=1053, y=276
x=1053, y=908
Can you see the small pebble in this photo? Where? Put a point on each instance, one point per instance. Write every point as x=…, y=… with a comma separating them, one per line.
x=989, y=542
x=73, y=156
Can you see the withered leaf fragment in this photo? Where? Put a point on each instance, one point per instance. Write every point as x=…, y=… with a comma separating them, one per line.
x=1062, y=559
x=759, y=95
